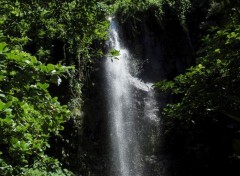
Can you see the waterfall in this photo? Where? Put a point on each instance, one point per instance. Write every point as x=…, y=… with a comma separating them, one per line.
x=127, y=159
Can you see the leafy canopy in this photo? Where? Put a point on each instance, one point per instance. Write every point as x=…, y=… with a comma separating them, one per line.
x=28, y=113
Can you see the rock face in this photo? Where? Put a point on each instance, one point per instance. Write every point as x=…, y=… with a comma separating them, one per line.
x=162, y=44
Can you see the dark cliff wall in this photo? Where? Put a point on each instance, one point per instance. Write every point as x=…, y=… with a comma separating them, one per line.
x=161, y=42
x=94, y=146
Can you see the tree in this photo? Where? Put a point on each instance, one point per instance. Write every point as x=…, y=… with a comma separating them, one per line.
x=205, y=112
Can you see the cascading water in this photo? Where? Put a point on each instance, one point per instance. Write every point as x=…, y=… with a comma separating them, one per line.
x=127, y=158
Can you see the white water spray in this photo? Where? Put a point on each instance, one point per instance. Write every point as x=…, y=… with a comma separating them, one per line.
x=122, y=113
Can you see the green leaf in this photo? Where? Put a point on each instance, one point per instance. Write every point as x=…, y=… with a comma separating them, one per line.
x=2, y=105
x=43, y=86
x=50, y=67
x=3, y=48
x=12, y=73
x=114, y=52
x=217, y=51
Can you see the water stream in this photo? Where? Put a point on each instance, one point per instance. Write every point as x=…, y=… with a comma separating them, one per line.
x=123, y=112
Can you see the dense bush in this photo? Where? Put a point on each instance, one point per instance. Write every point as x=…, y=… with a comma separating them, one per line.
x=29, y=114
x=129, y=8
x=36, y=36
x=203, y=120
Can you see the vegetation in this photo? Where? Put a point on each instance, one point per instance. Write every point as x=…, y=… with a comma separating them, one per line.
x=29, y=114
x=47, y=52
x=38, y=40
x=130, y=8
x=204, y=116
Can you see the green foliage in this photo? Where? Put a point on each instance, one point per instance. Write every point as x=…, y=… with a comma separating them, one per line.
x=113, y=54
x=78, y=24
x=67, y=32
x=200, y=123
x=48, y=167
x=128, y=8
x=207, y=99
x=28, y=113
x=211, y=85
